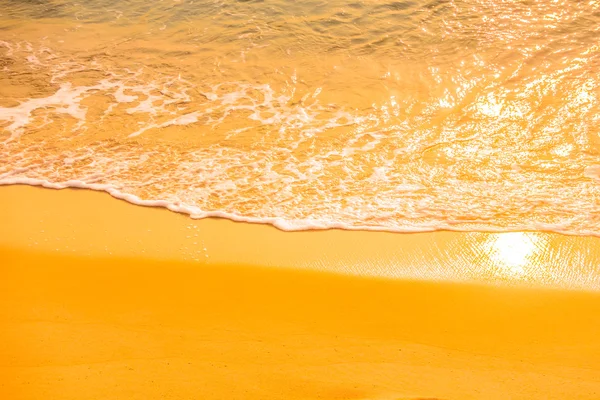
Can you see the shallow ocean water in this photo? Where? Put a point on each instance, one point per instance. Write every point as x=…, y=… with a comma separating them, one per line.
x=399, y=116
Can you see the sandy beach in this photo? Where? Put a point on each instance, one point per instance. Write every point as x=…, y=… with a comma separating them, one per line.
x=101, y=299
x=276, y=200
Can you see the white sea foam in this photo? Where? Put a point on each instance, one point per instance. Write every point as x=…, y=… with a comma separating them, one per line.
x=64, y=101
x=283, y=223
x=279, y=154
x=185, y=119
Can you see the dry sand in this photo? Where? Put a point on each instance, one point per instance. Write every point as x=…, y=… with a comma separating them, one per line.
x=100, y=299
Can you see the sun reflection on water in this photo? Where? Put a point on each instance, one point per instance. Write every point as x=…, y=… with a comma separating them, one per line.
x=512, y=251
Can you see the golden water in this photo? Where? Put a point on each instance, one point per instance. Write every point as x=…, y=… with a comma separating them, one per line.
x=391, y=115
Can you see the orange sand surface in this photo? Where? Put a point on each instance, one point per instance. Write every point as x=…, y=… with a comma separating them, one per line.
x=100, y=299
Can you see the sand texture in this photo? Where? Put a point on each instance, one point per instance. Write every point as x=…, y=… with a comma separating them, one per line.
x=112, y=301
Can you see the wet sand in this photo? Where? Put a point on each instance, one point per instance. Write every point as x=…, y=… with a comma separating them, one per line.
x=102, y=299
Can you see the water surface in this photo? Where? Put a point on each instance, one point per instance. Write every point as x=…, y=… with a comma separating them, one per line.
x=388, y=115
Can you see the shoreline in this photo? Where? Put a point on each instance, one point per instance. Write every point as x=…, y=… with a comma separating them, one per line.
x=279, y=223
x=64, y=220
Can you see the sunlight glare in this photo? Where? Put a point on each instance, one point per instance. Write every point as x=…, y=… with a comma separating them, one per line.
x=513, y=250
